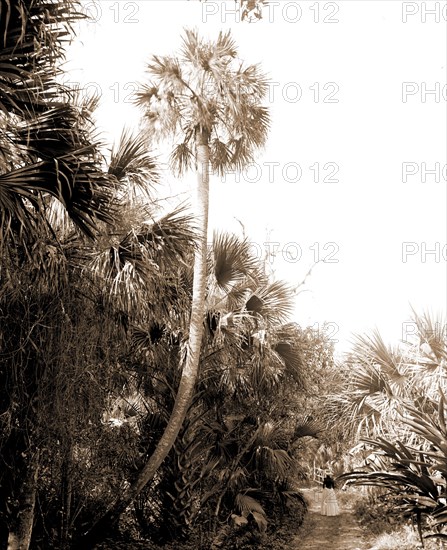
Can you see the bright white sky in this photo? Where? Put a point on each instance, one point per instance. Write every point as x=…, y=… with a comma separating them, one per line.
x=369, y=215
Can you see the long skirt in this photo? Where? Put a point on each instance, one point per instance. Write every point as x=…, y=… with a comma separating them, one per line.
x=329, y=505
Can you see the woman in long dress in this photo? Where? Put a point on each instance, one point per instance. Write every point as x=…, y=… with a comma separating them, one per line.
x=329, y=505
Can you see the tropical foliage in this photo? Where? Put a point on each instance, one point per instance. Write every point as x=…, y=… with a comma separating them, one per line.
x=154, y=386
x=210, y=102
x=94, y=331
x=234, y=455
x=398, y=397
x=47, y=150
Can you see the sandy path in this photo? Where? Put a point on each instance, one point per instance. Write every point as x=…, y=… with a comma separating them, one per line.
x=335, y=533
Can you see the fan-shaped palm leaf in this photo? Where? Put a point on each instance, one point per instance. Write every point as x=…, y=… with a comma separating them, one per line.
x=131, y=161
x=232, y=262
x=273, y=302
x=52, y=151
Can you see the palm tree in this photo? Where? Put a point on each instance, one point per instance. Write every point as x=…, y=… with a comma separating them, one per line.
x=243, y=417
x=382, y=377
x=210, y=104
x=47, y=155
x=66, y=317
x=46, y=147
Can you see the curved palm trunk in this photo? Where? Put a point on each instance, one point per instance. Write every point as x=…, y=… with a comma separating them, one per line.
x=190, y=370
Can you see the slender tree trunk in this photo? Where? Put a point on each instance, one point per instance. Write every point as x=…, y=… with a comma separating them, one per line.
x=190, y=370
x=22, y=527
x=66, y=497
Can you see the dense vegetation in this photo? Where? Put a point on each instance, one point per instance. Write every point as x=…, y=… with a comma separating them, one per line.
x=395, y=401
x=95, y=297
x=154, y=388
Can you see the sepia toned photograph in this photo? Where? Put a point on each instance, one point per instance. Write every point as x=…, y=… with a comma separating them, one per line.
x=223, y=275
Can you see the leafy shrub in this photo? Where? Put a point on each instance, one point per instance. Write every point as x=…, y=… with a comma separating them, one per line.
x=374, y=513
x=350, y=498
x=281, y=530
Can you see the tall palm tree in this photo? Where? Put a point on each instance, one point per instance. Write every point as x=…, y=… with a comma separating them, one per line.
x=210, y=104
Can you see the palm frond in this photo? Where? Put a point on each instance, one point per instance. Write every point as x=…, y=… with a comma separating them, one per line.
x=247, y=504
x=432, y=332
x=74, y=180
x=233, y=261
x=275, y=301
x=292, y=357
x=220, y=156
x=373, y=349
x=181, y=158
x=225, y=45
x=132, y=162
x=48, y=140
x=170, y=238
x=308, y=427
x=168, y=70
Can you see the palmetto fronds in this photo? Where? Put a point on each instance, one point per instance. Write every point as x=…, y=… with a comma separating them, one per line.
x=414, y=476
x=131, y=162
x=380, y=380
x=430, y=353
x=143, y=264
x=233, y=262
x=396, y=398
x=46, y=145
x=372, y=350
x=250, y=506
x=233, y=271
x=32, y=36
x=273, y=301
x=308, y=427
x=195, y=51
x=209, y=91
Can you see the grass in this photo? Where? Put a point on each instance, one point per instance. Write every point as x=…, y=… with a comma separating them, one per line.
x=384, y=530
x=403, y=538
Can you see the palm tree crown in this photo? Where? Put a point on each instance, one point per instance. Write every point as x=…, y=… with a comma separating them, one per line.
x=207, y=96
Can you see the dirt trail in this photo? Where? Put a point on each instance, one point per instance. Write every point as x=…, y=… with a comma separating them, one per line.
x=322, y=532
